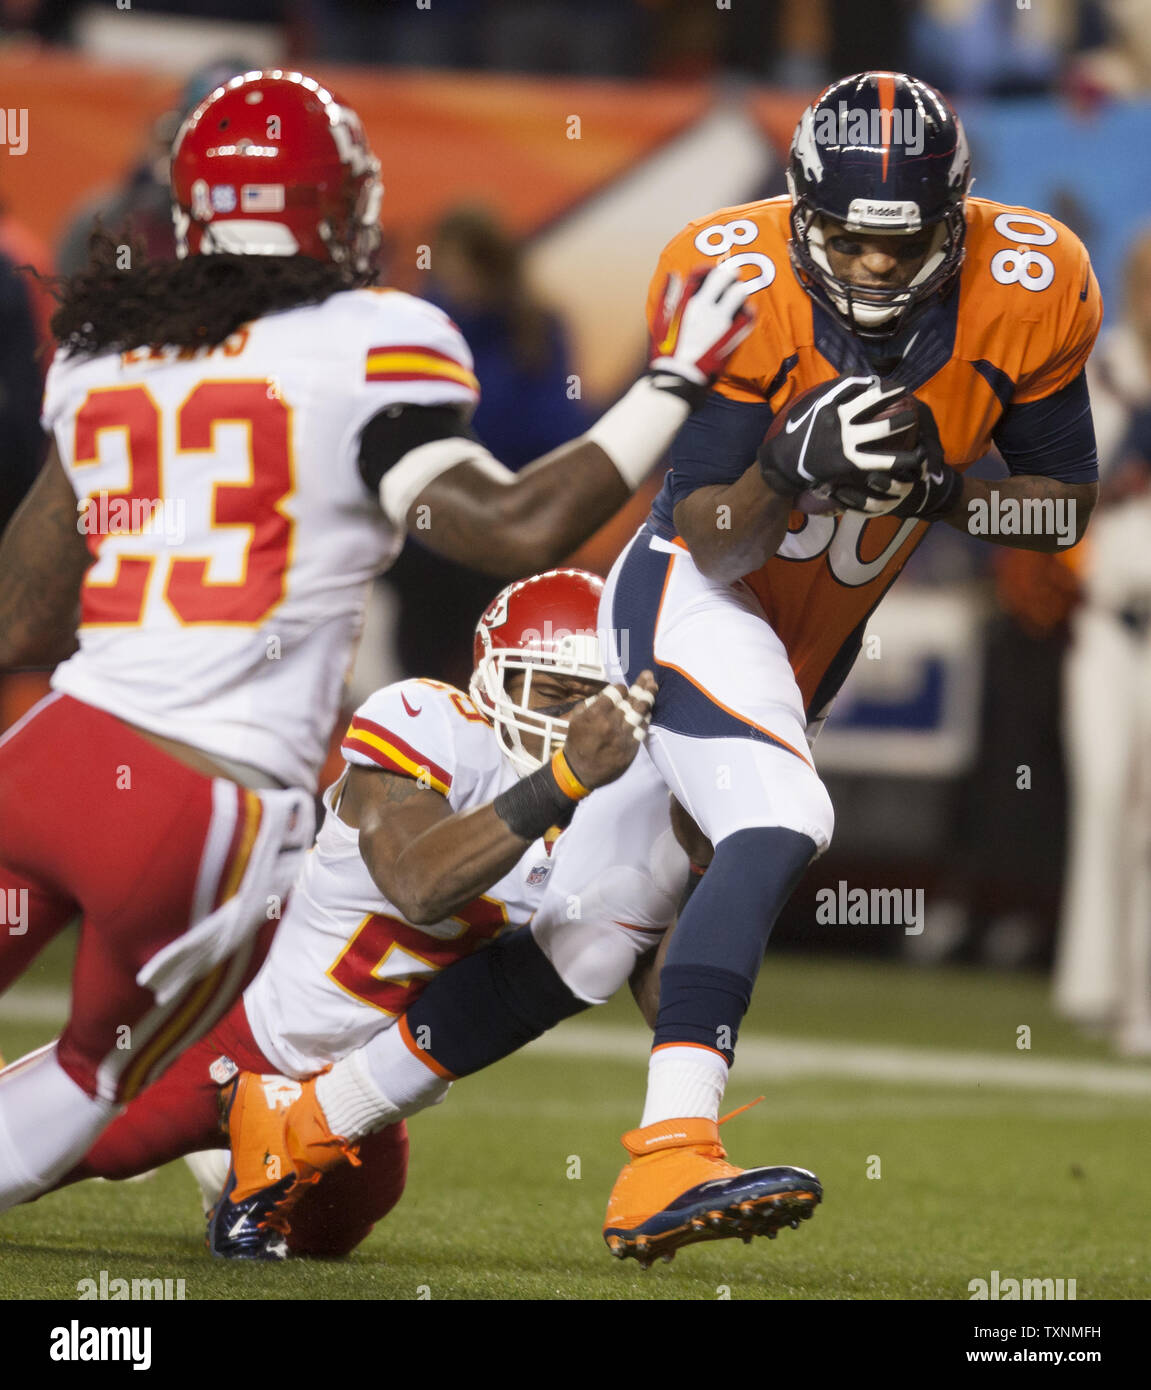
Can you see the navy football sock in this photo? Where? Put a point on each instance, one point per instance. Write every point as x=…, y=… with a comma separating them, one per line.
x=719, y=940
x=491, y=1003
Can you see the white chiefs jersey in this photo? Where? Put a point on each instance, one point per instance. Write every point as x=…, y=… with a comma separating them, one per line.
x=345, y=963
x=233, y=536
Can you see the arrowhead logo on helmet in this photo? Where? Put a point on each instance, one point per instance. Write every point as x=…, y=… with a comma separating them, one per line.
x=309, y=182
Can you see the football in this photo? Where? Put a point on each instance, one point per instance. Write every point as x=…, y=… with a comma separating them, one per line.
x=817, y=501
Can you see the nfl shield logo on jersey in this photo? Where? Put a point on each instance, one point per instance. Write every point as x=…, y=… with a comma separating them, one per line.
x=538, y=874
x=222, y=1070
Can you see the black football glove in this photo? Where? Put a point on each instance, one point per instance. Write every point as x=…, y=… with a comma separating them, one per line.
x=830, y=435
x=931, y=496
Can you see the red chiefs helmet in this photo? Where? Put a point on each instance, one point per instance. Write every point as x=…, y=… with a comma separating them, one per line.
x=548, y=622
x=274, y=164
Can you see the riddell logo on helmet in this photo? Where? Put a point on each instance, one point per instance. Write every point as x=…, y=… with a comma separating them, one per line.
x=882, y=212
x=853, y=125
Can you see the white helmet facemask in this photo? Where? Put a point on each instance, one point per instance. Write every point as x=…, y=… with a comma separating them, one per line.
x=566, y=654
x=872, y=315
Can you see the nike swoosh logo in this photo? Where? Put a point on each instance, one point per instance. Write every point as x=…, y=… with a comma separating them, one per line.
x=412, y=712
x=792, y=425
x=238, y=1227
x=936, y=478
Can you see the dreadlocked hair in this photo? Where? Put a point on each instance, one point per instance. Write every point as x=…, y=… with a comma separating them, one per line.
x=121, y=301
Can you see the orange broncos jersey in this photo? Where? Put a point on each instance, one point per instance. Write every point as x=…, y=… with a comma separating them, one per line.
x=1019, y=328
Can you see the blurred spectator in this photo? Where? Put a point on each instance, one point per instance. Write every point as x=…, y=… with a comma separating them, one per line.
x=526, y=410
x=21, y=440
x=869, y=35
x=593, y=38
x=995, y=47
x=394, y=32
x=23, y=247
x=528, y=405
x=1119, y=64
x=143, y=202
x=793, y=43
x=45, y=19
x=597, y=38
x=245, y=11
x=51, y=20
x=1103, y=969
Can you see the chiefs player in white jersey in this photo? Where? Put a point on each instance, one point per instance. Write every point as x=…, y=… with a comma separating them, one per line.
x=241, y=439
x=449, y=829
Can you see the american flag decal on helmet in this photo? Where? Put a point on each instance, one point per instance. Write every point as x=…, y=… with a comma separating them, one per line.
x=262, y=197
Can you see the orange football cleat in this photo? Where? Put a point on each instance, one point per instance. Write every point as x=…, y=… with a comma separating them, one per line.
x=281, y=1144
x=679, y=1189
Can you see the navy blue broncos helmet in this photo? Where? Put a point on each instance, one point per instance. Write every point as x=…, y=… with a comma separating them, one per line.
x=880, y=152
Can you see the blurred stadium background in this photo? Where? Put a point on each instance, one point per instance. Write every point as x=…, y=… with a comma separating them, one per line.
x=537, y=154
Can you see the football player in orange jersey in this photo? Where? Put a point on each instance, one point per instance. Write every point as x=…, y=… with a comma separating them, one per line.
x=240, y=440
x=902, y=328
x=977, y=318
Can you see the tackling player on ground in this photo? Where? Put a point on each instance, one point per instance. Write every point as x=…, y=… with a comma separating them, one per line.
x=241, y=439
x=440, y=841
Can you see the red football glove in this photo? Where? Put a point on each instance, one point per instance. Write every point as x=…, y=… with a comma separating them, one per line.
x=700, y=323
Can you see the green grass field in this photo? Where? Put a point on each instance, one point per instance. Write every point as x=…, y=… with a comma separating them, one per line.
x=1045, y=1180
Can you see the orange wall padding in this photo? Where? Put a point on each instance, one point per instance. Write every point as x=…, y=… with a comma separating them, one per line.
x=441, y=138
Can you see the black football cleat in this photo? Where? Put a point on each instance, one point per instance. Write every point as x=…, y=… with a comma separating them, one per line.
x=241, y=1230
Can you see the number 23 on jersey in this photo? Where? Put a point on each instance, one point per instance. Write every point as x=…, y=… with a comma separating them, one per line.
x=151, y=505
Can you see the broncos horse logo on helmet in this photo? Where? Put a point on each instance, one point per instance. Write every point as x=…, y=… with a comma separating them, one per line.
x=883, y=154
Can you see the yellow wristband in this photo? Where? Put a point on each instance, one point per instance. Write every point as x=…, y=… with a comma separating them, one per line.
x=568, y=782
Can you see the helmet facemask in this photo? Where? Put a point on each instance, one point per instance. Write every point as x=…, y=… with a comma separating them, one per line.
x=574, y=655
x=873, y=311
x=359, y=241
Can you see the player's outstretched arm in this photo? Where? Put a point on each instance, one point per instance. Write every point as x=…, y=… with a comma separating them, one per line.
x=430, y=861
x=43, y=557
x=465, y=505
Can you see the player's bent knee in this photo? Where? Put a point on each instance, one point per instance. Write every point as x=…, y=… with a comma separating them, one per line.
x=806, y=811
x=815, y=815
x=593, y=959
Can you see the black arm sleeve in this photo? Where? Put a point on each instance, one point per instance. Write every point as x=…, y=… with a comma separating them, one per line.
x=399, y=429
x=1054, y=437
x=717, y=444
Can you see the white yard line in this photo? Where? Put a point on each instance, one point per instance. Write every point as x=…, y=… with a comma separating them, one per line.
x=29, y=1004
x=785, y=1059
x=780, y=1058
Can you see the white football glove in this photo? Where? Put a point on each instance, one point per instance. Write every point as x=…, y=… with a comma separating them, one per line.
x=701, y=322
